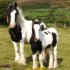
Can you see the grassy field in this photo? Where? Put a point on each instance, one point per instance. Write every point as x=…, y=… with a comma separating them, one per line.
x=7, y=49
x=7, y=52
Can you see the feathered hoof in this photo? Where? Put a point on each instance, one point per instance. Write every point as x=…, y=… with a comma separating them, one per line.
x=50, y=67
x=43, y=68
x=23, y=63
x=55, y=66
x=35, y=69
x=16, y=61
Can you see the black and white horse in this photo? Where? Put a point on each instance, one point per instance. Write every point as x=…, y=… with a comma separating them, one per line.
x=19, y=30
x=41, y=40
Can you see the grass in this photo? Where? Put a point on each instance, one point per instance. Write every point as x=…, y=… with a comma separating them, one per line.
x=51, y=15
x=7, y=51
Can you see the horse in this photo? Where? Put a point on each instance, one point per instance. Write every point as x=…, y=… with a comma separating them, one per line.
x=20, y=30
x=41, y=40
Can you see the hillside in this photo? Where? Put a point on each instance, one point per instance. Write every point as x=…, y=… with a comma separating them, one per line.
x=61, y=3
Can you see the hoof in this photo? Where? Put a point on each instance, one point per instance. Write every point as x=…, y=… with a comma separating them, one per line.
x=55, y=66
x=35, y=69
x=16, y=61
x=23, y=63
x=50, y=67
x=42, y=68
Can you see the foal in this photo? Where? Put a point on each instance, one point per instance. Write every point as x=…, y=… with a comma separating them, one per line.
x=36, y=45
x=41, y=40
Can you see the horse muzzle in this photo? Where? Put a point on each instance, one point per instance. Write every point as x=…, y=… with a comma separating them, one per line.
x=12, y=25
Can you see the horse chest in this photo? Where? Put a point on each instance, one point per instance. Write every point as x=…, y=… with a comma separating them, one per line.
x=15, y=34
x=35, y=45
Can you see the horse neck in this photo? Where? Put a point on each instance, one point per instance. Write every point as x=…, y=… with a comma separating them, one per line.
x=20, y=17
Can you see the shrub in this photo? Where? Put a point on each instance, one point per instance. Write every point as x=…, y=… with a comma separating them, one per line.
x=3, y=7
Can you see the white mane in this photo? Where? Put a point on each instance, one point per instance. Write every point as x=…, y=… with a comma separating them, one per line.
x=20, y=17
x=26, y=25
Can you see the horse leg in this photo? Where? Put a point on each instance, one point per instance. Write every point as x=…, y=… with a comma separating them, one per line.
x=50, y=58
x=55, y=57
x=22, y=59
x=45, y=54
x=41, y=59
x=17, y=56
x=34, y=61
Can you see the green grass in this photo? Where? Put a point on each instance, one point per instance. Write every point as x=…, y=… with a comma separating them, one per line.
x=7, y=51
x=50, y=15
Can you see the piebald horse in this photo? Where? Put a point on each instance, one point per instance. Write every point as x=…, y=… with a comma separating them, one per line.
x=41, y=40
x=20, y=30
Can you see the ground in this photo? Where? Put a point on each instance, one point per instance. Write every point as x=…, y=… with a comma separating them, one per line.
x=7, y=52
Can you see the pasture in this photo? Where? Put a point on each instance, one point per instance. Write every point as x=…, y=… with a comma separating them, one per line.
x=7, y=52
x=7, y=49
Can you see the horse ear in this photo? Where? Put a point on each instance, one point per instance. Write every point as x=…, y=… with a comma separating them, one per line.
x=33, y=20
x=15, y=4
x=40, y=20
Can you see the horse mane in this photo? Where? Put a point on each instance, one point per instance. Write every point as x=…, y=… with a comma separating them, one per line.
x=20, y=17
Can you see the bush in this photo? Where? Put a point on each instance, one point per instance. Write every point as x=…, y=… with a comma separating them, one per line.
x=3, y=8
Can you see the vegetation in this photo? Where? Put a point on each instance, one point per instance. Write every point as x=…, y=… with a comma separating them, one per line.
x=47, y=11
x=7, y=52
x=52, y=16
x=57, y=15
x=3, y=8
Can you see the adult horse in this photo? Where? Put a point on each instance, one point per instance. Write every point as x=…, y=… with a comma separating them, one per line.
x=19, y=30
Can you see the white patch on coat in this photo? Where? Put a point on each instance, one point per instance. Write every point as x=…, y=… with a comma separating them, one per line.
x=52, y=30
x=46, y=39
x=12, y=20
x=36, y=28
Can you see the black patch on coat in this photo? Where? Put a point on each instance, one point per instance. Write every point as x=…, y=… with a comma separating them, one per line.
x=35, y=45
x=42, y=27
x=33, y=32
x=46, y=33
x=15, y=33
x=54, y=39
x=49, y=45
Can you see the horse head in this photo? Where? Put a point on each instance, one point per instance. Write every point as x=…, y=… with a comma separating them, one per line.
x=12, y=13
